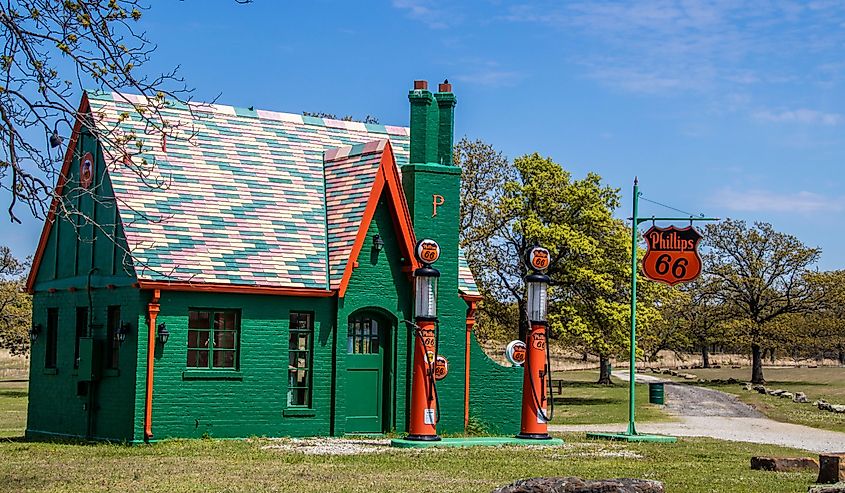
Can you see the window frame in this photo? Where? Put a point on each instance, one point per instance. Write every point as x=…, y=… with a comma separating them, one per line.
x=212, y=312
x=113, y=345
x=81, y=331
x=309, y=363
x=51, y=350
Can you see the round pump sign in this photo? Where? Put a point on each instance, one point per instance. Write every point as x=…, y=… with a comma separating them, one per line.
x=515, y=352
x=427, y=251
x=539, y=259
x=441, y=368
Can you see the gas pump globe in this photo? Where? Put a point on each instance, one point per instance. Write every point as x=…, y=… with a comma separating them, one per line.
x=426, y=292
x=424, y=412
x=537, y=285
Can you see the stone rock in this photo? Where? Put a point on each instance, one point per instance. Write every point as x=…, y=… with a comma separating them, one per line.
x=690, y=377
x=785, y=464
x=831, y=468
x=667, y=372
x=833, y=488
x=837, y=408
x=800, y=397
x=578, y=485
x=759, y=388
x=715, y=366
x=786, y=395
x=776, y=393
x=747, y=386
x=673, y=373
x=823, y=405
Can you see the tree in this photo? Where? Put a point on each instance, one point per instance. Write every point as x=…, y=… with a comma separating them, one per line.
x=507, y=208
x=760, y=274
x=52, y=49
x=15, y=304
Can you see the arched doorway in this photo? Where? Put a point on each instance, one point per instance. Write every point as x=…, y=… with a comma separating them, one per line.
x=368, y=364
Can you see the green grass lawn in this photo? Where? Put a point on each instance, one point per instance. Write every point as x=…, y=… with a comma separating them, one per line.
x=817, y=383
x=12, y=408
x=586, y=402
x=691, y=465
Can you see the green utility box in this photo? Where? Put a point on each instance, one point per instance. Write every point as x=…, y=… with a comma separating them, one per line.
x=90, y=359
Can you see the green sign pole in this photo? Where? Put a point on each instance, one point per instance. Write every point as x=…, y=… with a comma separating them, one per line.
x=632, y=372
x=631, y=434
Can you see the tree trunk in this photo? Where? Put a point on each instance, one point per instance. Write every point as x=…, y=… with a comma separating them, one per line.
x=757, y=364
x=523, y=320
x=705, y=356
x=841, y=355
x=772, y=355
x=585, y=356
x=604, y=371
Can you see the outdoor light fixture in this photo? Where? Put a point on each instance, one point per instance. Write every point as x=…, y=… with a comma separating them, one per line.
x=122, y=331
x=163, y=333
x=34, y=331
x=56, y=139
x=378, y=243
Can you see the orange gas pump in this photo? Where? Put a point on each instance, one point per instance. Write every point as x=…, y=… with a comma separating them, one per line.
x=535, y=391
x=424, y=402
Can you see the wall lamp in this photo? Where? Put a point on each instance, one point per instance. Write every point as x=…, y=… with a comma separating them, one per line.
x=122, y=331
x=34, y=331
x=378, y=243
x=163, y=334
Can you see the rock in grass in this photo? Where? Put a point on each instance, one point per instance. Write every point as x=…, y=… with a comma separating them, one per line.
x=785, y=464
x=823, y=405
x=837, y=408
x=759, y=388
x=831, y=468
x=578, y=485
x=786, y=395
x=832, y=488
x=800, y=397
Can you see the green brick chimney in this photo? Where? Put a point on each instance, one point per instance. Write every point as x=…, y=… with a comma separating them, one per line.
x=432, y=186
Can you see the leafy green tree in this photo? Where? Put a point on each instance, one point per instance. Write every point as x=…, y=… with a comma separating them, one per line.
x=15, y=304
x=761, y=275
x=507, y=208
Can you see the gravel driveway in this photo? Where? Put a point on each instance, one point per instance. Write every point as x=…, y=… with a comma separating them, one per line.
x=704, y=412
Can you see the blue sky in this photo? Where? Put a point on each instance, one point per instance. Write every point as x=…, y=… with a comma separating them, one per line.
x=731, y=108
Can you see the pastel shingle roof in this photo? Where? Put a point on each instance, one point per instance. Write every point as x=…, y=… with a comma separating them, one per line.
x=350, y=173
x=466, y=281
x=242, y=196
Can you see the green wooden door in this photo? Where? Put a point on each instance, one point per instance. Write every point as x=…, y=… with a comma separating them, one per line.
x=366, y=356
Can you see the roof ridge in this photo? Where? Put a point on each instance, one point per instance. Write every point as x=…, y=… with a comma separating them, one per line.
x=251, y=112
x=336, y=153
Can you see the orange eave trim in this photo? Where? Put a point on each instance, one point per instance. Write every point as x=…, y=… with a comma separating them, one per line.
x=234, y=288
x=469, y=298
x=386, y=176
x=84, y=107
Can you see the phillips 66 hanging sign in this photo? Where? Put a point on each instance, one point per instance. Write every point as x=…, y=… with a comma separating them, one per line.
x=672, y=255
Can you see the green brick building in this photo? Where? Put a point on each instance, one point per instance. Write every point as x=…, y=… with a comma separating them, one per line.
x=248, y=274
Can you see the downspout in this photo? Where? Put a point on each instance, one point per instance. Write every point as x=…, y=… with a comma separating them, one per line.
x=470, y=325
x=152, y=313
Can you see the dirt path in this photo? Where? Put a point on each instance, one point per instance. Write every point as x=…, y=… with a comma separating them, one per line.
x=709, y=413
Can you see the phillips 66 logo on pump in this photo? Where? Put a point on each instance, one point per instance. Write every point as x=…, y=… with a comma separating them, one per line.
x=428, y=251
x=672, y=255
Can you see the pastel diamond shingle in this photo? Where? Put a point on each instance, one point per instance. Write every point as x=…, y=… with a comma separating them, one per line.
x=242, y=196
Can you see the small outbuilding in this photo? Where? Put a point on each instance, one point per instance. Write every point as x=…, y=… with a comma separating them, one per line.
x=249, y=274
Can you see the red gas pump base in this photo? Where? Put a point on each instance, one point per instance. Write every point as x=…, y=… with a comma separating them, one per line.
x=534, y=436
x=423, y=438
x=475, y=442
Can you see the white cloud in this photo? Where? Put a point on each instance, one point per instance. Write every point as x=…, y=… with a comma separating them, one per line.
x=802, y=115
x=491, y=78
x=769, y=201
x=427, y=12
